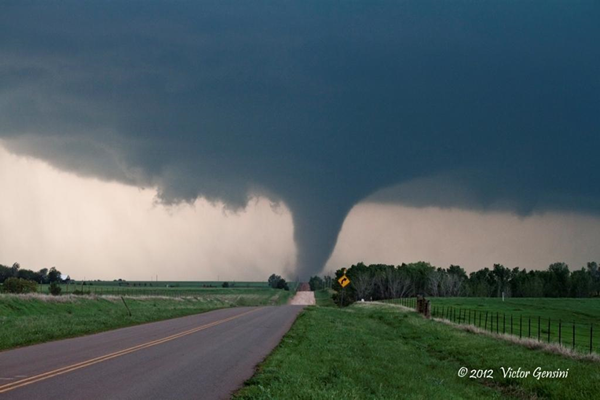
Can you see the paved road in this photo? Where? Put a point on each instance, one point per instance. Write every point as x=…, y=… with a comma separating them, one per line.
x=205, y=356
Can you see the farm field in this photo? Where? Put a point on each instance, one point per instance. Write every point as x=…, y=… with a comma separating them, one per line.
x=165, y=288
x=380, y=351
x=34, y=318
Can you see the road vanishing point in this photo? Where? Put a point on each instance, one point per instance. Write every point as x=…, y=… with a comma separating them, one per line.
x=203, y=356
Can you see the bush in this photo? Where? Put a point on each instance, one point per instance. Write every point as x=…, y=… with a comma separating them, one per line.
x=54, y=289
x=225, y=284
x=282, y=284
x=18, y=285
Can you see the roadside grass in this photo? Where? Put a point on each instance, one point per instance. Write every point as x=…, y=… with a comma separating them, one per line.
x=380, y=351
x=323, y=298
x=36, y=318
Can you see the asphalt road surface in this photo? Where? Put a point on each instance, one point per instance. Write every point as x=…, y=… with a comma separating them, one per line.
x=205, y=356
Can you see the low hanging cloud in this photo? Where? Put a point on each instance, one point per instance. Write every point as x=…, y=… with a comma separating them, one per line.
x=92, y=229
x=317, y=105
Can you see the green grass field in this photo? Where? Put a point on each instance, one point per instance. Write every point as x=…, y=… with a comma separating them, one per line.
x=36, y=318
x=370, y=351
x=163, y=288
x=583, y=311
x=549, y=319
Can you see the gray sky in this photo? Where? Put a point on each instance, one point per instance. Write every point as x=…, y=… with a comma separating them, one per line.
x=484, y=107
x=101, y=230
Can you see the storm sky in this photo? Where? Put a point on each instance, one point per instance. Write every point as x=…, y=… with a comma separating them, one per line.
x=487, y=110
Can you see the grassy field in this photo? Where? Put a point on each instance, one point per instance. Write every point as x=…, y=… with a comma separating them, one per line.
x=370, y=351
x=583, y=311
x=545, y=319
x=162, y=288
x=35, y=318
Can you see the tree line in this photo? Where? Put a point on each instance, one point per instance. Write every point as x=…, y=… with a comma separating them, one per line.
x=381, y=281
x=44, y=275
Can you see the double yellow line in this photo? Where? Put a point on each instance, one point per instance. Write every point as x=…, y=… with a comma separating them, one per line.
x=60, y=371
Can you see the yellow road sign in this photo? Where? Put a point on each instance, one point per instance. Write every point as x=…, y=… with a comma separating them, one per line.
x=344, y=281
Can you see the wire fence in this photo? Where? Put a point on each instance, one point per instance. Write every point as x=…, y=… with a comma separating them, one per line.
x=410, y=302
x=571, y=334
x=582, y=337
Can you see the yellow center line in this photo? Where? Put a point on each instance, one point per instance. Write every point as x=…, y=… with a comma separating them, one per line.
x=46, y=375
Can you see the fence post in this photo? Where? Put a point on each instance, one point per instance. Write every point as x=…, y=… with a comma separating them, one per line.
x=548, y=330
x=479, y=319
x=573, y=335
x=503, y=323
x=497, y=322
x=511, y=324
x=560, y=332
x=485, y=327
x=529, y=333
x=539, y=329
x=520, y=326
x=591, y=336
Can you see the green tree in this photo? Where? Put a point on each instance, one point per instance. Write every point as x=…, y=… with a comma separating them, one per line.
x=54, y=275
x=581, y=283
x=558, y=282
x=316, y=283
x=274, y=280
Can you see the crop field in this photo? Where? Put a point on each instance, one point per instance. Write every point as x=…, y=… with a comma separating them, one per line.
x=574, y=323
x=34, y=318
x=381, y=351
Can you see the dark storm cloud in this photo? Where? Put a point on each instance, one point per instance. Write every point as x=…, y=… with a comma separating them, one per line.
x=318, y=104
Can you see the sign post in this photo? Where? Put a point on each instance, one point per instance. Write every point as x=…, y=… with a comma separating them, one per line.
x=343, y=281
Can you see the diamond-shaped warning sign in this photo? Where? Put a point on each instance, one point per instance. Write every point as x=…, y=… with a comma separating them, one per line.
x=344, y=281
